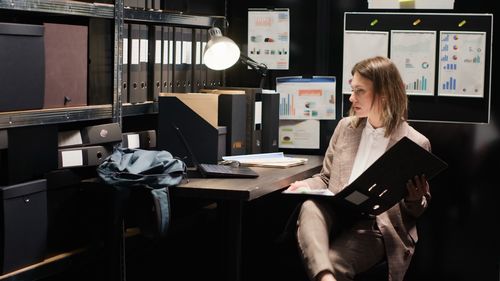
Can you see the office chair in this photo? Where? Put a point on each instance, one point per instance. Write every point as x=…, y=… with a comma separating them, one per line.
x=378, y=272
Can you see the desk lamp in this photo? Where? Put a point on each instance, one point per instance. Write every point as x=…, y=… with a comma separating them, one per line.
x=221, y=53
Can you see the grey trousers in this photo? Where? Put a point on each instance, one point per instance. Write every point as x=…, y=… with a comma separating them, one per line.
x=328, y=243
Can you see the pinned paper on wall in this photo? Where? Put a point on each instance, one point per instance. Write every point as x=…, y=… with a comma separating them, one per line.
x=299, y=134
x=414, y=53
x=411, y=4
x=306, y=98
x=269, y=37
x=462, y=64
x=360, y=45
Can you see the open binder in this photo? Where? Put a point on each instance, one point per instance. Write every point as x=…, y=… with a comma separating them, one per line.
x=383, y=184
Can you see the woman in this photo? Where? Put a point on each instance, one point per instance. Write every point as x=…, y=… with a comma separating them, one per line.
x=334, y=247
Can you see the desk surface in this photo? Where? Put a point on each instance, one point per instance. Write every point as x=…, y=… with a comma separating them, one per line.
x=269, y=180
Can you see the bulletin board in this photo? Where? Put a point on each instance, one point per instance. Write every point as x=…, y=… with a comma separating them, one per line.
x=444, y=59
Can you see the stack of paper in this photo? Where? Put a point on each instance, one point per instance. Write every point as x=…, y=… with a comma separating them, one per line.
x=273, y=160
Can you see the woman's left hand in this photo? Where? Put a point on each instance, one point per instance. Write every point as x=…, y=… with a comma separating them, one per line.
x=417, y=188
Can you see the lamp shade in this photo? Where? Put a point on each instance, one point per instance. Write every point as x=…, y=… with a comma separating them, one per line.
x=220, y=52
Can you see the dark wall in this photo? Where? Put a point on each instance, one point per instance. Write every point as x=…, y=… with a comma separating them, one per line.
x=458, y=240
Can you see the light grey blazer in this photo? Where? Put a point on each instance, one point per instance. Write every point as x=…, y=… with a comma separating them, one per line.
x=398, y=224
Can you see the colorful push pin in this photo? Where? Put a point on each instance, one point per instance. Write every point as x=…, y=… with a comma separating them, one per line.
x=462, y=23
x=374, y=22
x=415, y=23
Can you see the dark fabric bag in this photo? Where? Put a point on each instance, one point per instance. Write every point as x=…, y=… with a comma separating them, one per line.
x=150, y=169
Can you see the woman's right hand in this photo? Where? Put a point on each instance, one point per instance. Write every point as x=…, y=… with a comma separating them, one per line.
x=298, y=185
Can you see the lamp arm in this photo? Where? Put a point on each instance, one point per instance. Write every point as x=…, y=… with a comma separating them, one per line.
x=259, y=67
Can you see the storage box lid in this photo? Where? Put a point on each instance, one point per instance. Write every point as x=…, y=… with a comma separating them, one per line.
x=23, y=189
x=21, y=29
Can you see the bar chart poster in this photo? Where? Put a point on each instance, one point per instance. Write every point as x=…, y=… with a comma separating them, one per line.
x=461, y=64
x=306, y=98
x=414, y=53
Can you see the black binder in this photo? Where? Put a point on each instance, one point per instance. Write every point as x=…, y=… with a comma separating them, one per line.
x=142, y=94
x=270, y=121
x=383, y=184
x=125, y=62
x=183, y=39
x=203, y=67
x=83, y=156
x=142, y=139
x=197, y=59
x=232, y=114
x=167, y=60
x=134, y=66
x=156, y=55
x=90, y=135
x=253, y=126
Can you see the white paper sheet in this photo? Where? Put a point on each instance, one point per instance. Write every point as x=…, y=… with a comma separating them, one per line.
x=359, y=45
x=299, y=134
x=414, y=53
x=461, y=64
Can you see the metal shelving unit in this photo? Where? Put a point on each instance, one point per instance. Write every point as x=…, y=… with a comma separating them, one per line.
x=173, y=18
x=52, y=116
x=115, y=110
x=60, y=7
x=97, y=10
x=59, y=115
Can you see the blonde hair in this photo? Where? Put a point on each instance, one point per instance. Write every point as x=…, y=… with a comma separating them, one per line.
x=388, y=89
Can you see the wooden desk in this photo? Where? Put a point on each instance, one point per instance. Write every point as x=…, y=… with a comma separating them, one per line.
x=231, y=194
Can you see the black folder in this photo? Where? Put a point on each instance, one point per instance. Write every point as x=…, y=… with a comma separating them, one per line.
x=253, y=126
x=383, y=184
x=90, y=135
x=125, y=60
x=143, y=139
x=167, y=59
x=142, y=94
x=232, y=114
x=133, y=63
x=198, y=71
x=183, y=54
x=156, y=51
x=83, y=156
x=270, y=121
x=203, y=67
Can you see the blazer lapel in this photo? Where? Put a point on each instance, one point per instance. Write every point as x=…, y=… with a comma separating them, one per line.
x=400, y=132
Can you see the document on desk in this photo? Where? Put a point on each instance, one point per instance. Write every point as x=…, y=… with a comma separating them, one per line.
x=271, y=160
x=383, y=184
